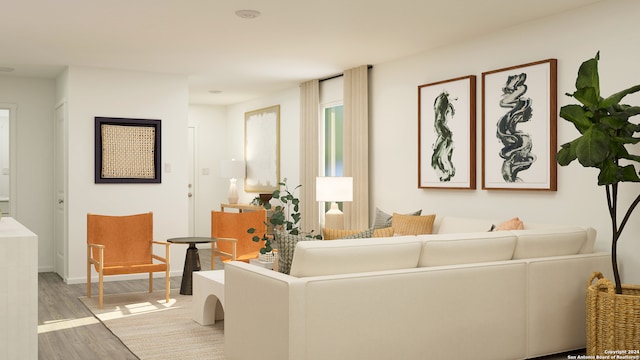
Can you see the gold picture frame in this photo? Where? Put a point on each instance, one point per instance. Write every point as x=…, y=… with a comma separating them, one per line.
x=262, y=149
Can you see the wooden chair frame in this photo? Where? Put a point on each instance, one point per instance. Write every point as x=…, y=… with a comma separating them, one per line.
x=215, y=252
x=100, y=267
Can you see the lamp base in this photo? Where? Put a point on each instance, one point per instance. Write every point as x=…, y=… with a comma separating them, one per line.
x=233, y=192
x=334, y=218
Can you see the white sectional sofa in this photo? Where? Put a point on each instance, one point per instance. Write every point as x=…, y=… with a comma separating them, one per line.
x=461, y=293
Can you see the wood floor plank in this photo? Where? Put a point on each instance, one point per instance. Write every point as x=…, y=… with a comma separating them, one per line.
x=69, y=331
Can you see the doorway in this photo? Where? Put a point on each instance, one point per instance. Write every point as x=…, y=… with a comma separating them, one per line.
x=8, y=201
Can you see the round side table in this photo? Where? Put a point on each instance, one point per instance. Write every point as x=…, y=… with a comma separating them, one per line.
x=191, y=261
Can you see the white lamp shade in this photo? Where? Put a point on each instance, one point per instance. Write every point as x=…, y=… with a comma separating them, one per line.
x=334, y=188
x=232, y=169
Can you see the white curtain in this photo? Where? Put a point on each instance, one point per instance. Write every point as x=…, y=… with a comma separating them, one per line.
x=309, y=154
x=356, y=145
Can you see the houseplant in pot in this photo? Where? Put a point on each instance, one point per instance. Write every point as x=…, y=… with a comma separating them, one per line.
x=606, y=132
x=285, y=216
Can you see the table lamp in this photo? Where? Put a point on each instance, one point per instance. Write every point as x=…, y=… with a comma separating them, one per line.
x=334, y=189
x=232, y=169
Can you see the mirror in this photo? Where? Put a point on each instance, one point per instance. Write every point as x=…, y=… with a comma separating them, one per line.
x=5, y=161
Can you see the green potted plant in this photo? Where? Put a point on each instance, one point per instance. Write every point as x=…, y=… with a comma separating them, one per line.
x=605, y=131
x=285, y=215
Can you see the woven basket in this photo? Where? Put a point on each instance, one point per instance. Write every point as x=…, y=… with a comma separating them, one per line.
x=613, y=320
x=268, y=257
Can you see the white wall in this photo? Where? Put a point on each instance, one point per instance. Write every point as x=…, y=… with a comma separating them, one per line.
x=34, y=150
x=608, y=26
x=289, y=101
x=212, y=146
x=110, y=93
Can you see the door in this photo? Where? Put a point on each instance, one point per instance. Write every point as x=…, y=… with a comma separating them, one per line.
x=60, y=176
x=191, y=187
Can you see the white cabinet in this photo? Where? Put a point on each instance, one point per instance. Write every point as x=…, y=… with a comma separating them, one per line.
x=18, y=291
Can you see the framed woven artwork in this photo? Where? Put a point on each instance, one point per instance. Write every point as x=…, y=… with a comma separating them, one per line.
x=519, y=116
x=127, y=150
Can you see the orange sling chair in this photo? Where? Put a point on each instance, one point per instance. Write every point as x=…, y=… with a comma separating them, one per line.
x=233, y=242
x=119, y=245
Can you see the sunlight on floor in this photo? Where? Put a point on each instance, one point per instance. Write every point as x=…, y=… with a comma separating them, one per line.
x=55, y=325
x=137, y=309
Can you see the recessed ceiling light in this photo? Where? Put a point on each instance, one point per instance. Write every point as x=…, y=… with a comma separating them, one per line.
x=6, y=69
x=215, y=91
x=248, y=14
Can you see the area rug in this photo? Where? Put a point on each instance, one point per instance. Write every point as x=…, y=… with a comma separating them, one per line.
x=154, y=329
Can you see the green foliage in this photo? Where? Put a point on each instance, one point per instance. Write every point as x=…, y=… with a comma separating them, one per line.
x=285, y=216
x=605, y=131
x=604, y=126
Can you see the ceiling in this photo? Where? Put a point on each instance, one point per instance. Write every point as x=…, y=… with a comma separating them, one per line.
x=292, y=41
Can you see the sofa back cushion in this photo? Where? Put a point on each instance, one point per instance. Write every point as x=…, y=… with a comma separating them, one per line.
x=556, y=241
x=316, y=258
x=466, y=248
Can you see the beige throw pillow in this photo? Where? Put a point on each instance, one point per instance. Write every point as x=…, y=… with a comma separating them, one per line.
x=412, y=225
x=334, y=234
x=511, y=224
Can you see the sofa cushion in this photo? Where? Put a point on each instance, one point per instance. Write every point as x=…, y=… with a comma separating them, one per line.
x=383, y=220
x=451, y=224
x=549, y=242
x=316, y=258
x=286, y=248
x=412, y=225
x=466, y=248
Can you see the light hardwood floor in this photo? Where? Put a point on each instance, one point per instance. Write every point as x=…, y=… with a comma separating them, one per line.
x=80, y=336
x=67, y=330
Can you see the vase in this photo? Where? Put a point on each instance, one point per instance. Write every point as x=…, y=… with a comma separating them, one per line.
x=613, y=320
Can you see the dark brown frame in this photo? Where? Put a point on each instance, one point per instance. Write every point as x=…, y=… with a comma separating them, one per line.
x=156, y=124
x=491, y=88
x=426, y=122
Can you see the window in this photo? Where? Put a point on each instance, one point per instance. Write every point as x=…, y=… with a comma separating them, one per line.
x=331, y=133
x=333, y=144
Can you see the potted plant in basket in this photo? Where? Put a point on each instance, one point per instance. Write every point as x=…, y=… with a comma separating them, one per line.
x=605, y=131
x=286, y=216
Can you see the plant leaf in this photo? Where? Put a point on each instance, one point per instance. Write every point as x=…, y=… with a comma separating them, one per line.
x=629, y=173
x=578, y=116
x=567, y=153
x=588, y=96
x=615, y=98
x=588, y=75
x=592, y=148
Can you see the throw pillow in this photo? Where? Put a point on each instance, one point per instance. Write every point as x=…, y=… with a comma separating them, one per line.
x=511, y=224
x=412, y=225
x=335, y=234
x=361, y=235
x=286, y=246
x=383, y=220
x=384, y=232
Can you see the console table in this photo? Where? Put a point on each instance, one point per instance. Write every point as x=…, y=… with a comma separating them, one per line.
x=19, y=295
x=250, y=207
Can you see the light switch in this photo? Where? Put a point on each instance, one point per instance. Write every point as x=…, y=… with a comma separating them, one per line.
x=205, y=171
x=167, y=167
